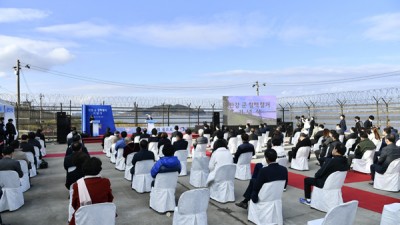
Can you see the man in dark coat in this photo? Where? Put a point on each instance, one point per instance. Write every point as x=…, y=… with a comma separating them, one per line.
x=338, y=162
x=10, y=131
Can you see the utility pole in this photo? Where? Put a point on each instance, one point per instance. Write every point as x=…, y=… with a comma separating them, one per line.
x=41, y=109
x=257, y=86
x=17, y=69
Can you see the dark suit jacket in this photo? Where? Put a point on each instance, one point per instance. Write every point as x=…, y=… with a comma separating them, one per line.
x=331, y=165
x=388, y=154
x=367, y=124
x=163, y=141
x=272, y=172
x=143, y=154
x=73, y=176
x=243, y=148
x=130, y=148
x=26, y=147
x=99, y=190
x=11, y=164
x=253, y=137
x=306, y=142
x=144, y=136
x=69, y=150
x=180, y=145
x=318, y=135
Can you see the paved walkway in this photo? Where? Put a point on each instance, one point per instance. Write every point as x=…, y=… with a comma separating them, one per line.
x=47, y=201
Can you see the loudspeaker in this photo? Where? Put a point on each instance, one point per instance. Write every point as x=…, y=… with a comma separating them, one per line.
x=278, y=120
x=215, y=119
x=63, y=127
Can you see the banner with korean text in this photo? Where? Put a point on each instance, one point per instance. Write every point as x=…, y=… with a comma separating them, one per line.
x=103, y=113
x=240, y=110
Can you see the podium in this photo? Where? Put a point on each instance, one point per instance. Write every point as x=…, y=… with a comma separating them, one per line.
x=150, y=124
x=96, y=127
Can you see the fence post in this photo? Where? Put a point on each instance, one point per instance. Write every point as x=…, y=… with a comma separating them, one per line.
x=308, y=108
x=136, y=114
x=387, y=110
x=377, y=109
x=198, y=115
x=341, y=104
x=168, y=108
x=163, y=123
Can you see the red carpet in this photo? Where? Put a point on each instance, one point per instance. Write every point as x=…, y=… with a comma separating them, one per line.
x=90, y=140
x=58, y=155
x=354, y=177
x=367, y=200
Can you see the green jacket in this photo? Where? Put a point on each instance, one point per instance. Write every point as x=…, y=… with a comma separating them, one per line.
x=364, y=145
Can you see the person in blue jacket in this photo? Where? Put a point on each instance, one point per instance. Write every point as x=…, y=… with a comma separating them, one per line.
x=168, y=163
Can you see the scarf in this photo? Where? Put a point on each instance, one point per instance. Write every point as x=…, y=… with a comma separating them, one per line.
x=84, y=197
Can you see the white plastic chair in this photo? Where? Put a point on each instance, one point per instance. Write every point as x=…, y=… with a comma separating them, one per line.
x=107, y=146
x=98, y=214
x=398, y=143
x=162, y=195
x=341, y=138
x=391, y=214
x=363, y=165
x=199, y=172
x=222, y=188
x=182, y=156
x=13, y=197
x=141, y=180
x=189, y=147
x=32, y=171
x=390, y=180
x=136, y=139
x=128, y=166
x=112, y=157
x=260, y=142
x=192, y=208
x=226, y=135
x=330, y=196
x=316, y=145
x=25, y=184
x=343, y=214
x=208, y=136
x=200, y=150
x=268, y=209
x=349, y=144
x=301, y=160
x=378, y=145
x=42, y=149
x=173, y=140
x=37, y=155
x=266, y=138
x=71, y=209
x=232, y=144
x=153, y=147
x=295, y=138
x=239, y=141
x=243, y=170
x=120, y=160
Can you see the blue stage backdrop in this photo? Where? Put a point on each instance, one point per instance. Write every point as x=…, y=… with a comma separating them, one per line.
x=99, y=112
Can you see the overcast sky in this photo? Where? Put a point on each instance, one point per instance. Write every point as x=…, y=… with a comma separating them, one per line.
x=198, y=48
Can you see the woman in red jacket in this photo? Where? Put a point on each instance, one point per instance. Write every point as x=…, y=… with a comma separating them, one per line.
x=98, y=188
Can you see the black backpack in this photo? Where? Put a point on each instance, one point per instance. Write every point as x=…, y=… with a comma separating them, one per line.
x=43, y=165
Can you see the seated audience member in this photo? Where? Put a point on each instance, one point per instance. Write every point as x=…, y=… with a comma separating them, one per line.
x=68, y=162
x=329, y=150
x=99, y=188
x=353, y=135
x=26, y=147
x=253, y=136
x=277, y=146
x=168, y=163
x=338, y=162
x=188, y=135
x=319, y=132
x=326, y=140
x=143, y=154
x=176, y=130
x=375, y=137
x=219, y=141
x=364, y=145
x=153, y=137
x=388, y=154
x=231, y=134
x=180, y=143
x=270, y=173
x=163, y=140
x=76, y=139
x=78, y=159
x=71, y=135
x=40, y=135
x=7, y=163
x=386, y=131
x=339, y=129
x=144, y=134
x=32, y=140
x=221, y=156
x=304, y=141
x=18, y=154
x=129, y=147
x=138, y=132
x=121, y=142
x=107, y=134
x=243, y=148
x=201, y=139
x=247, y=128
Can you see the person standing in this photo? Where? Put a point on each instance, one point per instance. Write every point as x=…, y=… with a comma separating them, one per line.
x=2, y=134
x=10, y=131
x=91, y=125
x=342, y=123
x=359, y=124
x=368, y=122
